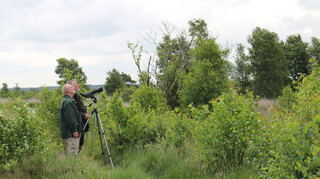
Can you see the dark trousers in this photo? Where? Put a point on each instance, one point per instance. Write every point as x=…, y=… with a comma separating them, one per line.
x=81, y=142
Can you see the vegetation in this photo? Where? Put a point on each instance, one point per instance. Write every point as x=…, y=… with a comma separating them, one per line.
x=207, y=77
x=297, y=54
x=270, y=67
x=242, y=70
x=188, y=122
x=116, y=81
x=71, y=67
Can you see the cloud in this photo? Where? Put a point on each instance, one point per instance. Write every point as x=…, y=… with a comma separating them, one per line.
x=33, y=34
x=310, y=4
x=54, y=21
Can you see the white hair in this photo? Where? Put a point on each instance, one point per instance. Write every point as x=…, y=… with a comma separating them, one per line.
x=71, y=82
x=66, y=88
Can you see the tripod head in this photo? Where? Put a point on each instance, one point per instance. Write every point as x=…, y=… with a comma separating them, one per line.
x=94, y=99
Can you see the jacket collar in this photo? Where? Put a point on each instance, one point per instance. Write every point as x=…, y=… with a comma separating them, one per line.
x=67, y=96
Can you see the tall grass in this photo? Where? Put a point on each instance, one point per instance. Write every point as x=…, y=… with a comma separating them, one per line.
x=152, y=161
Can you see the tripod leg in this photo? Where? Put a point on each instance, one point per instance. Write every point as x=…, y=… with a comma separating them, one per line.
x=104, y=160
x=88, y=120
x=105, y=140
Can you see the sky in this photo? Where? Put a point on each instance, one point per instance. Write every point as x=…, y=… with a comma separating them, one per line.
x=35, y=33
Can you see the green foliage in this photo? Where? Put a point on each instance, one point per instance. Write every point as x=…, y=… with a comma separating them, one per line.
x=315, y=48
x=207, y=78
x=270, y=67
x=5, y=92
x=16, y=90
x=287, y=100
x=173, y=60
x=243, y=70
x=70, y=67
x=48, y=112
x=136, y=125
x=295, y=139
x=127, y=79
x=144, y=75
x=154, y=161
x=114, y=81
x=21, y=134
x=117, y=111
x=179, y=132
x=198, y=29
x=296, y=52
x=148, y=98
x=147, y=128
x=126, y=92
x=222, y=136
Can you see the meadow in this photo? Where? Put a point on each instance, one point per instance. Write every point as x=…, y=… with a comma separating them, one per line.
x=234, y=136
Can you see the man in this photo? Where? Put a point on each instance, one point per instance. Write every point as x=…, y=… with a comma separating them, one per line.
x=81, y=109
x=70, y=121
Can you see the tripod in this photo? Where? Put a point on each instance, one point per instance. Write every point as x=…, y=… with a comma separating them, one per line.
x=97, y=117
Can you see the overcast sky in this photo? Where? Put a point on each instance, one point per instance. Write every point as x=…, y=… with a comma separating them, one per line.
x=35, y=33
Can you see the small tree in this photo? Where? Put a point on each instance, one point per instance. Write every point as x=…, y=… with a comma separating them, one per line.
x=298, y=56
x=113, y=81
x=136, y=50
x=270, y=66
x=127, y=79
x=207, y=77
x=315, y=48
x=242, y=70
x=73, y=66
x=5, y=92
x=16, y=90
x=148, y=98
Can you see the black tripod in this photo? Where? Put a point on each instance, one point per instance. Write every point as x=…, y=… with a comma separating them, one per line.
x=97, y=117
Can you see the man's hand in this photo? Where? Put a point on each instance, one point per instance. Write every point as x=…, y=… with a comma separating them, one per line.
x=75, y=135
x=86, y=116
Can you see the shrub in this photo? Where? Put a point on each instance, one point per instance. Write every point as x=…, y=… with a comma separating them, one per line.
x=117, y=111
x=182, y=124
x=135, y=125
x=222, y=139
x=287, y=100
x=48, y=112
x=116, y=121
x=126, y=92
x=149, y=98
x=20, y=133
x=295, y=147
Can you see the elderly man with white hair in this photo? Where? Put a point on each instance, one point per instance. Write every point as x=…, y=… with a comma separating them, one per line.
x=70, y=120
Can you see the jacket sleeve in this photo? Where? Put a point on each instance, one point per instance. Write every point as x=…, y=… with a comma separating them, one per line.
x=70, y=116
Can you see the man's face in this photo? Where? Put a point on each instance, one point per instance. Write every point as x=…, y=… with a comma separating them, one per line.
x=76, y=86
x=72, y=90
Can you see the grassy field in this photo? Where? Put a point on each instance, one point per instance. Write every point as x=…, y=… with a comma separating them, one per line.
x=154, y=161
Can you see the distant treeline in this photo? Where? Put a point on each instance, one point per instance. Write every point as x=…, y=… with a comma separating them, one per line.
x=50, y=88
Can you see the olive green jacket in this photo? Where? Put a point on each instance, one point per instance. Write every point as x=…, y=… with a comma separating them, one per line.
x=69, y=118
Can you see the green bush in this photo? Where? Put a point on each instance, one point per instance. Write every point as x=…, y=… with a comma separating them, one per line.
x=126, y=92
x=20, y=134
x=295, y=145
x=117, y=111
x=222, y=139
x=48, y=112
x=144, y=128
x=182, y=124
x=116, y=121
x=149, y=98
x=287, y=100
x=135, y=125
